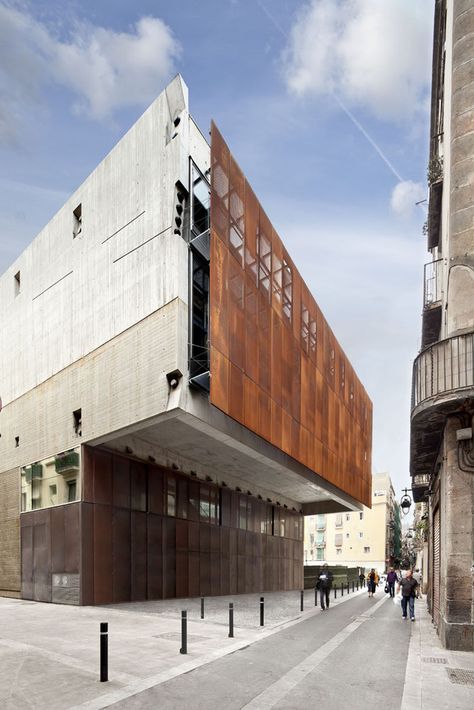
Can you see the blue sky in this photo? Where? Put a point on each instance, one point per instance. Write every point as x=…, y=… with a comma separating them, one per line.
x=325, y=103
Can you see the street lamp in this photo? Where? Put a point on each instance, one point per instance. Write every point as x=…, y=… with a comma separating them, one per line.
x=405, y=502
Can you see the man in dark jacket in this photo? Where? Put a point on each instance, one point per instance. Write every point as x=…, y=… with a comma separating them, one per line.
x=324, y=585
x=391, y=579
x=409, y=587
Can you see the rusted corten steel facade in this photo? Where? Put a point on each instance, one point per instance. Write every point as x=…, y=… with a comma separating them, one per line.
x=143, y=531
x=276, y=366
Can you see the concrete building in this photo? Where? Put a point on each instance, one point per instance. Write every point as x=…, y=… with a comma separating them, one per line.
x=366, y=538
x=173, y=400
x=442, y=448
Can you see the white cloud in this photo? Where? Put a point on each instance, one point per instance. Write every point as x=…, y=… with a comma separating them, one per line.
x=104, y=70
x=404, y=197
x=371, y=53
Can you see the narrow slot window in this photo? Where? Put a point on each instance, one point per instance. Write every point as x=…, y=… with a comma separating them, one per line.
x=77, y=419
x=17, y=283
x=77, y=221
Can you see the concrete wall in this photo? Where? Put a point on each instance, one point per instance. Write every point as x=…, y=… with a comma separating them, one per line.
x=122, y=382
x=10, y=566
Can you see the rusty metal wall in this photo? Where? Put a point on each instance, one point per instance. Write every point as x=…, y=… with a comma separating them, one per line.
x=137, y=550
x=276, y=366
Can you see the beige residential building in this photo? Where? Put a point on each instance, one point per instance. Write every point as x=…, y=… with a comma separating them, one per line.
x=366, y=538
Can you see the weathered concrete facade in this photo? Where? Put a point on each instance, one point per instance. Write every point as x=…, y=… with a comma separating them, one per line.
x=114, y=463
x=442, y=444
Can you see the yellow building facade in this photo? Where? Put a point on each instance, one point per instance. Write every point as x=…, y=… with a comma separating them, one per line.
x=363, y=538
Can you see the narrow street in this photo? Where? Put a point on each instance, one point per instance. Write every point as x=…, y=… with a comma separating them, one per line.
x=351, y=653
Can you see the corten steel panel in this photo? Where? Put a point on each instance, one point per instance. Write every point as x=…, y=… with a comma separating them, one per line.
x=121, y=482
x=182, y=573
x=102, y=477
x=42, y=590
x=72, y=538
x=87, y=552
x=276, y=366
x=155, y=489
x=26, y=556
x=154, y=556
x=103, y=554
x=194, y=586
x=138, y=486
x=138, y=556
x=121, y=537
x=169, y=561
x=58, y=552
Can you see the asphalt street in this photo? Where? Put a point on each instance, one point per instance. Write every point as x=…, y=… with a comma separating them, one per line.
x=353, y=654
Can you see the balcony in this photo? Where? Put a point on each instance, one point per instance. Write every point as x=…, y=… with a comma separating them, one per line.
x=69, y=461
x=432, y=283
x=443, y=374
x=432, y=309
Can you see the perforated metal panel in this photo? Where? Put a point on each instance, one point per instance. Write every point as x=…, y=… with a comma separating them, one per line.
x=276, y=366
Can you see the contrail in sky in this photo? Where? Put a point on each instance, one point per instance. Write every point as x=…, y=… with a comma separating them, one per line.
x=348, y=113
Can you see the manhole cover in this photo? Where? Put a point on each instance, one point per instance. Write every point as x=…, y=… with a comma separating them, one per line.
x=434, y=659
x=460, y=676
x=176, y=636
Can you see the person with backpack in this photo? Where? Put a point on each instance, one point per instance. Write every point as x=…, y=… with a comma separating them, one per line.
x=324, y=585
x=371, y=582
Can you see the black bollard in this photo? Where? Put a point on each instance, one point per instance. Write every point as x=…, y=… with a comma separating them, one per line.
x=352, y=585
x=335, y=592
x=202, y=607
x=104, y=652
x=184, y=632
x=302, y=601
x=231, y=620
x=262, y=611
x=342, y=589
x=348, y=587
x=357, y=586
x=315, y=596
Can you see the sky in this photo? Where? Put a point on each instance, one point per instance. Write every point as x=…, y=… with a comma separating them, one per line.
x=325, y=105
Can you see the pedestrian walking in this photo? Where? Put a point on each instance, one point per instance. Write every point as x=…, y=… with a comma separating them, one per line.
x=371, y=582
x=324, y=585
x=409, y=587
x=361, y=578
x=391, y=580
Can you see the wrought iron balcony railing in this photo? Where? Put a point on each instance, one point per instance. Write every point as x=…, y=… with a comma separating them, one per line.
x=445, y=366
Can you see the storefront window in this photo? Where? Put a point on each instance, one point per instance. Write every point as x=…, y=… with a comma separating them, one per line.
x=52, y=481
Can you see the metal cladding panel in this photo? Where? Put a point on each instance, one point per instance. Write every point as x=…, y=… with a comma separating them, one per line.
x=276, y=366
x=121, y=541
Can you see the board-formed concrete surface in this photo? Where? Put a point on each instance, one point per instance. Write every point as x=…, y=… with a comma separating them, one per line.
x=49, y=656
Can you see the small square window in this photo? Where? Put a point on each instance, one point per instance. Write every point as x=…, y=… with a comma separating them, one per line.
x=366, y=549
x=347, y=535
x=361, y=534
x=348, y=516
x=17, y=441
x=361, y=516
x=17, y=282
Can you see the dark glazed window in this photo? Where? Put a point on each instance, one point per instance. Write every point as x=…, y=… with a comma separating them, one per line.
x=171, y=496
x=264, y=263
x=71, y=491
x=200, y=316
x=287, y=290
x=200, y=203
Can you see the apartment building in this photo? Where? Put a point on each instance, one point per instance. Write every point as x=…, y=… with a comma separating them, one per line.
x=442, y=444
x=173, y=399
x=366, y=538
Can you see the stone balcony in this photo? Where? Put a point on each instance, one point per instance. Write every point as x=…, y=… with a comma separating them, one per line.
x=443, y=376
